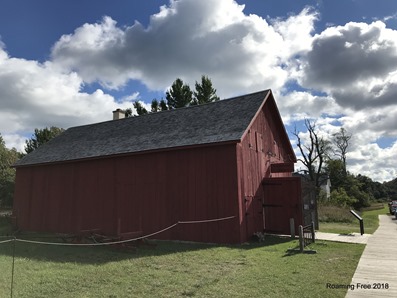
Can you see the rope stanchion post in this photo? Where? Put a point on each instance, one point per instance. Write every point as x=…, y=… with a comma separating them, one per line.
x=13, y=266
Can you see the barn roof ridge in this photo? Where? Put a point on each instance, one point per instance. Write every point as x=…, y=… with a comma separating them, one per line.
x=222, y=121
x=178, y=109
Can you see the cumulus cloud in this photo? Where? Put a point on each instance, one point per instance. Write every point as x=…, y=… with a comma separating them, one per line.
x=299, y=105
x=355, y=63
x=38, y=95
x=186, y=39
x=370, y=160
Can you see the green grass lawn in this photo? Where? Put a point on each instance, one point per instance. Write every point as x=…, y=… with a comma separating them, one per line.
x=370, y=219
x=171, y=269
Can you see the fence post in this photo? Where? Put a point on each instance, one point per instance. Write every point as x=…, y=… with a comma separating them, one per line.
x=301, y=240
x=13, y=266
x=313, y=233
x=292, y=227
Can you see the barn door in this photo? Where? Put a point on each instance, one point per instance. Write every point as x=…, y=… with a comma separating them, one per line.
x=282, y=201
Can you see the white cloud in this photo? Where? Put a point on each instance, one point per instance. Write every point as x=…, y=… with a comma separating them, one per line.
x=35, y=95
x=355, y=63
x=296, y=31
x=355, y=66
x=372, y=161
x=298, y=105
x=186, y=39
x=130, y=98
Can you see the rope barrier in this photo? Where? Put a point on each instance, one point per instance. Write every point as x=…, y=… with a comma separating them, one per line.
x=96, y=243
x=204, y=221
x=120, y=241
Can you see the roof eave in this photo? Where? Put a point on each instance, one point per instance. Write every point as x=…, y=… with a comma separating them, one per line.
x=229, y=142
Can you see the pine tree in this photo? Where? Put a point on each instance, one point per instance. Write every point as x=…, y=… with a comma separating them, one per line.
x=139, y=108
x=42, y=136
x=204, y=92
x=179, y=95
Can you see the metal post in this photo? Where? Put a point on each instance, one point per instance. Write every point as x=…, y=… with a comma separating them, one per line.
x=360, y=220
x=361, y=227
x=301, y=240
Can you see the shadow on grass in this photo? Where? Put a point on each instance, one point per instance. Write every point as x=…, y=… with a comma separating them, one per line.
x=296, y=251
x=311, y=249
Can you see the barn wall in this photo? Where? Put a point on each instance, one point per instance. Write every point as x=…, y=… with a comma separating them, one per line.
x=137, y=193
x=261, y=146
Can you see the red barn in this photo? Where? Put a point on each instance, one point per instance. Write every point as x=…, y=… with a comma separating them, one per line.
x=139, y=175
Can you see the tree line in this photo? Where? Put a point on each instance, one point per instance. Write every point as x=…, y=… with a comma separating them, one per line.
x=178, y=96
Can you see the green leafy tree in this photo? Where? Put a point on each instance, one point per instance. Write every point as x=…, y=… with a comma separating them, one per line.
x=42, y=136
x=179, y=95
x=336, y=172
x=7, y=174
x=355, y=189
x=391, y=189
x=205, y=92
x=341, y=198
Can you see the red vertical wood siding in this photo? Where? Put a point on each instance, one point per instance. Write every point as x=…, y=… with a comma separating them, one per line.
x=145, y=192
x=149, y=192
x=263, y=144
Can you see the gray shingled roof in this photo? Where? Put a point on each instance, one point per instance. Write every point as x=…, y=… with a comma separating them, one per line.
x=221, y=121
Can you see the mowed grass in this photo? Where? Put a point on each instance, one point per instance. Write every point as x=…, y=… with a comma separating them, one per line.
x=370, y=219
x=172, y=269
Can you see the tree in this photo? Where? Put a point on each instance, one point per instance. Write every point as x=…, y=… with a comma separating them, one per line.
x=155, y=107
x=314, y=154
x=158, y=106
x=139, y=108
x=163, y=105
x=204, y=93
x=341, y=141
x=337, y=173
x=42, y=136
x=128, y=113
x=341, y=198
x=7, y=174
x=179, y=95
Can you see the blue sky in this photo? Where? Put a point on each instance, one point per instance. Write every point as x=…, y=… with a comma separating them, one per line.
x=67, y=63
